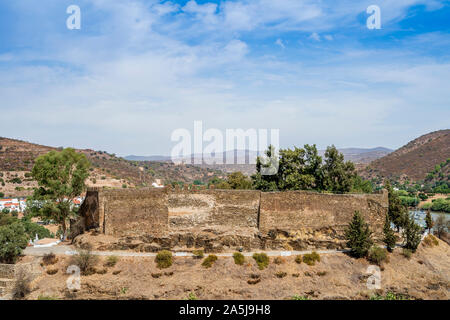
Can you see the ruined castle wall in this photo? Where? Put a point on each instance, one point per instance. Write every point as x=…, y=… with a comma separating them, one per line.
x=134, y=212
x=213, y=208
x=303, y=215
x=311, y=212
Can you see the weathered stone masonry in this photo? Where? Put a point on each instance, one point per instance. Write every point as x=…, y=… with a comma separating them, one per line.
x=220, y=219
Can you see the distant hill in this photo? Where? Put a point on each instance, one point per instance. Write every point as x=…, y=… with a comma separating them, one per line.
x=414, y=161
x=17, y=158
x=147, y=158
x=246, y=159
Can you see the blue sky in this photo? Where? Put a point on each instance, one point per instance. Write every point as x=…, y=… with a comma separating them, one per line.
x=137, y=70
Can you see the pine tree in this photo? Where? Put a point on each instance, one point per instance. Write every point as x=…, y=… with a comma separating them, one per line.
x=397, y=211
x=389, y=235
x=429, y=221
x=358, y=236
x=412, y=234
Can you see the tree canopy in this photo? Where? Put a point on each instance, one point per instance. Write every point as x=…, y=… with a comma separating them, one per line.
x=61, y=177
x=304, y=169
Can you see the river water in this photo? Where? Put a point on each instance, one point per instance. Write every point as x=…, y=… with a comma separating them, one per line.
x=419, y=216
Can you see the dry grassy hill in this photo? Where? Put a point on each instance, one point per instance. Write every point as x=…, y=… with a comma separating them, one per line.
x=414, y=160
x=17, y=159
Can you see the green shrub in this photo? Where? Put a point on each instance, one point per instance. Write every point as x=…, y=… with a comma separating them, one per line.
x=262, y=260
x=281, y=274
x=191, y=296
x=407, y=253
x=311, y=258
x=430, y=241
x=85, y=260
x=164, y=259
x=111, y=261
x=377, y=255
x=198, y=254
x=238, y=258
x=298, y=259
x=13, y=240
x=390, y=296
x=209, y=261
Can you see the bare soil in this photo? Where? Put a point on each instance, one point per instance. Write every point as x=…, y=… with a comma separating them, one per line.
x=426, y=275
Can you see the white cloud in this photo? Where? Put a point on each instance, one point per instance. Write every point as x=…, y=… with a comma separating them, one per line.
x=315, y=36
x=280, y=43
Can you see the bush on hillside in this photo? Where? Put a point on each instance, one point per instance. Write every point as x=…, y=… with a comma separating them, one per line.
x=209, y=261
x=377, y=255
x=239, y=258
x=163, y=259
x=262, y=260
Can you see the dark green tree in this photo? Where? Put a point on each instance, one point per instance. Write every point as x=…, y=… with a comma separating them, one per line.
x=389, y=236
x=13, y=240
x=61, y=177
x=429, y=221
x=412, y=233
x=261, y=181
x=338, y=174
x=397, y=211
x=359, y=236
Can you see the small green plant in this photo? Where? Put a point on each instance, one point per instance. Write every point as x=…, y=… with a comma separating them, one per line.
x=296, y=275
x=298, y=259
x=430, y=241
x=111, y=261
x=209, y=261
x=321, y=273
x=123, y=290
x=164, y=259
x=191, y=296
x=390, y=296
x=311, y=258
x=198, y=254
x=298, y=297
x=239, y=258
x=407, y=253
x=377, y=255
x=262, y=260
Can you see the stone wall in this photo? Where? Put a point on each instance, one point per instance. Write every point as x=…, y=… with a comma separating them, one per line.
x=310, y=212
x=213, y=208
x=264, y=220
